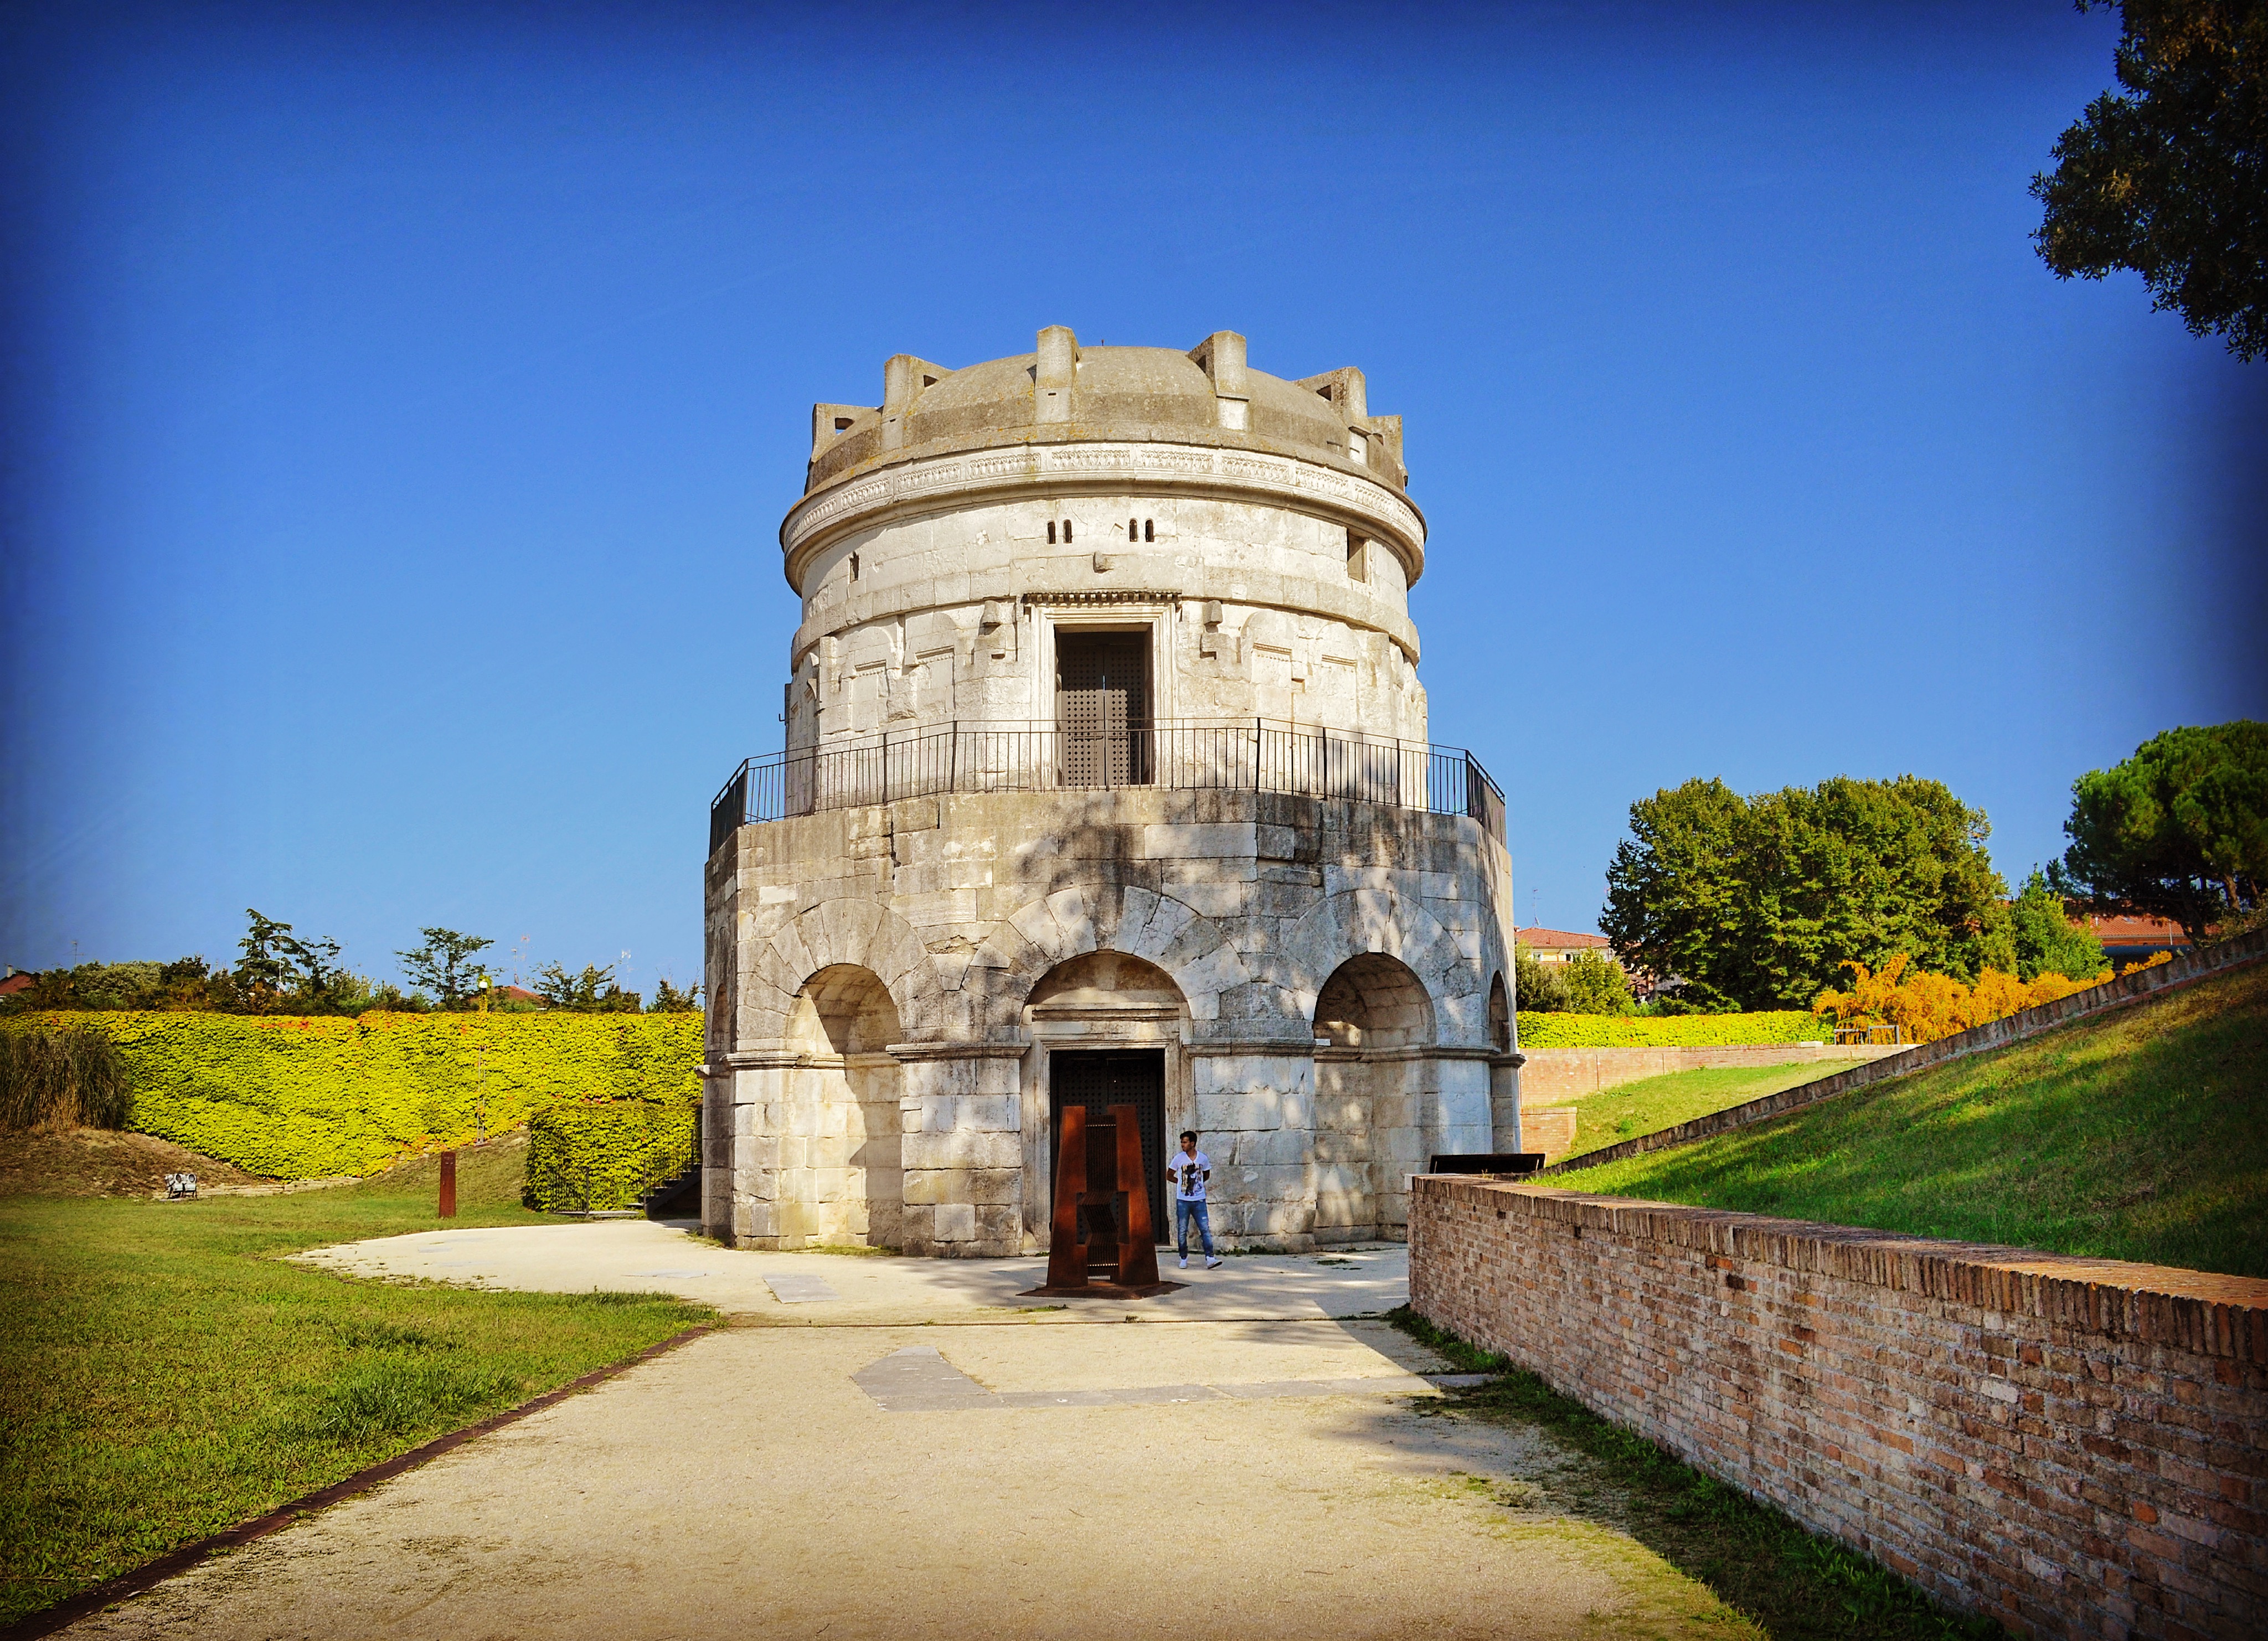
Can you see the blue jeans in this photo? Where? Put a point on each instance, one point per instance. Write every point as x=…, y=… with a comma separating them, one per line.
x=1183, y=1212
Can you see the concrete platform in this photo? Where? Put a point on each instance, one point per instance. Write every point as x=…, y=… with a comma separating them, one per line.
x=649, y=1257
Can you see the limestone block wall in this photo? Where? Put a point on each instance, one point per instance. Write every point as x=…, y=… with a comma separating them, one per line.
x=981, y=921
x=1256, y=609
x=2077, y=1447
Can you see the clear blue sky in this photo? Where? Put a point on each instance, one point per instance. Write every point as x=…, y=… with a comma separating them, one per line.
x=401, y=402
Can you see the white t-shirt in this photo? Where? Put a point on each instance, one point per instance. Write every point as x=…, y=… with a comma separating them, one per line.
x=1188, y=1175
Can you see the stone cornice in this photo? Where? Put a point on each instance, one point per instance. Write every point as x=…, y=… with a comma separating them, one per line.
x=923, y=485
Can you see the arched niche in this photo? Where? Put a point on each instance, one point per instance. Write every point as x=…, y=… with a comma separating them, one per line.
x=1373, y=1022
x=841, y=1179
x=1096, y=1007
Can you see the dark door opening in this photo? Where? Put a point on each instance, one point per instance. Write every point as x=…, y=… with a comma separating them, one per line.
x=1100, y=1079
x=1103, y=707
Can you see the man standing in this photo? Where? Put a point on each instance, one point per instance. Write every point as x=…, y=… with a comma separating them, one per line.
x=1190, y=1170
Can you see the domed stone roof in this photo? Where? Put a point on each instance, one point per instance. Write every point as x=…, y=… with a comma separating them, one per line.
x=1204, y=396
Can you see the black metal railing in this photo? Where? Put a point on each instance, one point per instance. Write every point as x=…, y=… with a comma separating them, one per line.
x=1253, y=754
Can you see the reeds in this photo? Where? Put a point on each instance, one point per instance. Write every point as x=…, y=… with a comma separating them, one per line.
x=61, y=1080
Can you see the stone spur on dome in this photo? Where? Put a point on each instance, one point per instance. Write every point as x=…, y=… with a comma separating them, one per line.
x=1106, y=787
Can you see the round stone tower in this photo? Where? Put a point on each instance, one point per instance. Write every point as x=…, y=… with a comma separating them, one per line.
x=1106, y=782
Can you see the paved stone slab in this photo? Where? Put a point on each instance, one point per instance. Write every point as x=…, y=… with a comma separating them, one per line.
x=797, y=1287
x=649, y=1257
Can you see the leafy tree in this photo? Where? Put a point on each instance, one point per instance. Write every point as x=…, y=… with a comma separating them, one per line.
x=1536, y=987
x=269, y=964
x=1596, y=985
x=2047, y=941
x=593, y=991
x=2172, y=180
x=444, y=965
x=668, y=999
x=1754, y=903
x=2179, y=830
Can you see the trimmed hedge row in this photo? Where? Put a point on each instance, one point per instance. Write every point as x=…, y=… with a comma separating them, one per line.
x=1671, y=1031
x=605, y=1154
x=291, y=1097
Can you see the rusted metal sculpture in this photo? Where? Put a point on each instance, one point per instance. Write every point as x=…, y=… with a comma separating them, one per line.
x=1103, y=1243
x=448, y=1203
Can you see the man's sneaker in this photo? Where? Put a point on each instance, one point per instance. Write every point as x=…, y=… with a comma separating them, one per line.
x=1213, y=1262
x=1185, y=1262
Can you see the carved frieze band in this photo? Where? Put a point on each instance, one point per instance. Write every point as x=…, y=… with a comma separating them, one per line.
x=1278, y=479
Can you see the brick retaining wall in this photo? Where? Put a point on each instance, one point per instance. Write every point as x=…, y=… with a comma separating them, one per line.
x=2076, y=1447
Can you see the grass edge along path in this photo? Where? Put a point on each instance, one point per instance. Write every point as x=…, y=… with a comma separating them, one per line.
x=47, y=1620
x=1794, y=1583
x=167, y=1372
x=2132, y=1134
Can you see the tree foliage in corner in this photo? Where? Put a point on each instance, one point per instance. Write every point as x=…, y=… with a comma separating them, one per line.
x=2048, y=942
x=1756, y=902
x=2179, y=830
x=2171, y=180
x=445, y=964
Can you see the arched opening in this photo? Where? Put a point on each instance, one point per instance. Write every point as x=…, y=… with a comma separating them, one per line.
x=840, y=1176
x=1504, y=1076
x=1106, y=1030
x=1375, y=1021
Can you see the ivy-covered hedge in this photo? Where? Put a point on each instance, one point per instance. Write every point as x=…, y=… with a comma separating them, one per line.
x=604, y=1154
x=1671, y=1031
x=297, y=1098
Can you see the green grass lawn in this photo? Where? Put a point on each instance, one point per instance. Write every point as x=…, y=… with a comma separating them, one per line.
x=163, y=1375
x=2140, y=1134
x=1626, y=1112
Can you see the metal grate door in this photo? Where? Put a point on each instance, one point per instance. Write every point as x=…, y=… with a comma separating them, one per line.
x=1103, y=707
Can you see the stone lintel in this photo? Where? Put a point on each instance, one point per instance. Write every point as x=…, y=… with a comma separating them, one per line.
x=904, y=1052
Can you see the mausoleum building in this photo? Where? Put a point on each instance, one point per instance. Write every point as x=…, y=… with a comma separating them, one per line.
x=1106, y=782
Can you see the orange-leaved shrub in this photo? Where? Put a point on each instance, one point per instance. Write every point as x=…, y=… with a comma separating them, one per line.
x=1925, y=1006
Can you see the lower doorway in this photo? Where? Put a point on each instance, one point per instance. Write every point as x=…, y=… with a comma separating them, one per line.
x=1101, y=1078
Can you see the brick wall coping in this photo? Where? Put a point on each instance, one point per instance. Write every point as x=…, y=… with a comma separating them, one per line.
x=2186, y=969
x=2192, y=1310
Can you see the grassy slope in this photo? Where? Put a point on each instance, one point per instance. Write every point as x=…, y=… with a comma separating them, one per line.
x=2140, y=1134
x=1613, y=1114
x=162, y=1375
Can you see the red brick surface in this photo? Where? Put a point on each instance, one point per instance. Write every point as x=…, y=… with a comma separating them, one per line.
x=2077, y=1448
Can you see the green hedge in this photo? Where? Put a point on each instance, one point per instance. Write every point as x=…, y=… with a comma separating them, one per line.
x=297, y=1098
x=605, y=1153
x=1671, y=1031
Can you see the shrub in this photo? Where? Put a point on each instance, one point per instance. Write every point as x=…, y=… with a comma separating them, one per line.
x=605, y=1154
x=1673, y=1031
x=1926, y=1007
x=301, y=1096
x=60, y=1080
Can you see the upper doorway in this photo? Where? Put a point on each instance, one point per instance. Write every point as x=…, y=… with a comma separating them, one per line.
x=1103, y=707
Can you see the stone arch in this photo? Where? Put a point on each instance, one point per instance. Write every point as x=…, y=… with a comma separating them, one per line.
x=1356, y=922
x=1500, y=1014
x=843, y=1009
x=1191, y=949
x=1373, y=1001
x=858, y=934
x=1373, y=1022
x=840, y=1177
